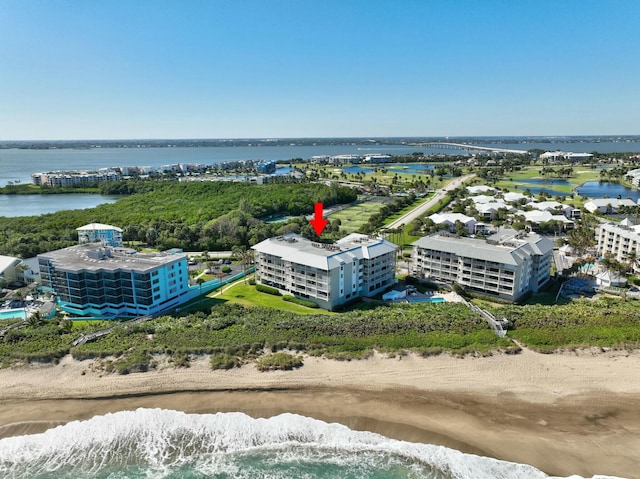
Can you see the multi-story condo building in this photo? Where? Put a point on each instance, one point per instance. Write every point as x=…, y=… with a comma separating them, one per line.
x=620, y=240
x=93, y=280
x=96, y=232
x=328, y=274
x=507, y=264
x=71, y=178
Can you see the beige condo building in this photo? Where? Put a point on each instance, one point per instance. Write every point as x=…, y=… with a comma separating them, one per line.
x=508, y=264
x=620, y=240
x=328, y=274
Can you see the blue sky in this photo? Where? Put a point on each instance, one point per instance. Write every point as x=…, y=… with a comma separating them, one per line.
x=269, y=68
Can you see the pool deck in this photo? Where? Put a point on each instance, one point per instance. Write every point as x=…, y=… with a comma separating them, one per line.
x=426, y=297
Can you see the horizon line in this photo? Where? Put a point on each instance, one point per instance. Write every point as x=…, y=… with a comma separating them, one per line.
x=365, y=138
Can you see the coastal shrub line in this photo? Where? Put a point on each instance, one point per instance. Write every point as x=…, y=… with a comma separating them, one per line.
x=234, y=334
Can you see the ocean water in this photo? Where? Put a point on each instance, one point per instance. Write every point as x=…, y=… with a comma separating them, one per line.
x=154, y=443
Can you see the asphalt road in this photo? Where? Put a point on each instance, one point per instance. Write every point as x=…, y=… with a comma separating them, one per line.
x=424, y=207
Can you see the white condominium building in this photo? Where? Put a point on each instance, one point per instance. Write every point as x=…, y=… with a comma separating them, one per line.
x=99, y=233
x=620, y=240
x=507, y=264
x=328, y=274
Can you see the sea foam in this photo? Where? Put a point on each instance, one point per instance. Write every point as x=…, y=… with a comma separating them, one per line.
x=164, y=441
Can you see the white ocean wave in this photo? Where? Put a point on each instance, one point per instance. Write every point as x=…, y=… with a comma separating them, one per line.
x=164, y=441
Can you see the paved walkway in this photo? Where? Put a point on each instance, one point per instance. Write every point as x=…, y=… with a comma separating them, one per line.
x=424, y=207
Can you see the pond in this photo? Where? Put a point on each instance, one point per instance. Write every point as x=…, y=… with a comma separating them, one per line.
x=545, y=181
x=537, y=191
x=607, y=189
x=33, y=205
x=409, y=168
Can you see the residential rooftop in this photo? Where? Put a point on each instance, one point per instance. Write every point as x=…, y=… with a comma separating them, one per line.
x=507, y=246
x=99, y=227
x=94, y=256
x=325, y=256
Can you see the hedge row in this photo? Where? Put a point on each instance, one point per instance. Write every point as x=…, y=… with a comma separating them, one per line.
x=267, y=289
x=302, y=302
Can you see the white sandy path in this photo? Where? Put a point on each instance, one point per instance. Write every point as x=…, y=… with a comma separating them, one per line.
x=529, y=376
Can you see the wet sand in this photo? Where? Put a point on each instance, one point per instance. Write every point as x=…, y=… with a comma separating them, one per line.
x=563, y=413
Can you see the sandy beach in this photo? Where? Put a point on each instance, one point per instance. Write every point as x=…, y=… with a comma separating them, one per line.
x=565, y=413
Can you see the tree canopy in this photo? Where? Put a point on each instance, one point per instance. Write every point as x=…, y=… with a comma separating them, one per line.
x=194, y=216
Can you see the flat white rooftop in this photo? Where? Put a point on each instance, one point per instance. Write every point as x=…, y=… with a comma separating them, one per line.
x=325, y=256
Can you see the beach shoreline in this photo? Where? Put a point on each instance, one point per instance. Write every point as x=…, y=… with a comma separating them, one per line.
x=566, y=413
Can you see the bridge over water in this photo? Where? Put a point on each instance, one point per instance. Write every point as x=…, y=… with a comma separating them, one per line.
x=475, y=148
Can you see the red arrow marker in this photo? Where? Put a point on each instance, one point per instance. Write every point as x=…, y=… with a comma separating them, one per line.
x=318, y=222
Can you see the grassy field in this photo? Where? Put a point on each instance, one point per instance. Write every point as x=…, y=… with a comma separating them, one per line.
x=246, y=295
x=402, y=238
x=405, y=210
x=354, y=217
x=580, y=176
x=383, y=176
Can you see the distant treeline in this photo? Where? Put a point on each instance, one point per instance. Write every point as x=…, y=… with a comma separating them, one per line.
x=205, y=216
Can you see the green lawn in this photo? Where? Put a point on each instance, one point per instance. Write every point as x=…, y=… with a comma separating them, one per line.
x=246, y=295
x=402, y=238
x=381, y=177
x=354, y=217
x=405, y=210
x=581, y=174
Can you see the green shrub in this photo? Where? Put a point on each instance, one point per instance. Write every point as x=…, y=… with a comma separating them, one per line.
x=267, y=289
x=180, y=360
x=225, y=361
x=226, y=269
x=432, y=351
x=279, y=361
x=134, y=362
x=302, y=302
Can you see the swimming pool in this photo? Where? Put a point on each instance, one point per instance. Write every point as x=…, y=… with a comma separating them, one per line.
x=427, y=300
x=13, y=314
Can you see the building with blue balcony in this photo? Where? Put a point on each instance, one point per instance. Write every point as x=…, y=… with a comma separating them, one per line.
x=99, y=233
x=266, y=167
x=100, y=281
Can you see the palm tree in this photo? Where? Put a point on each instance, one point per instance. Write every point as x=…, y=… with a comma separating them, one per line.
x=65, y=325
x=631, y=260
x=35, y=319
